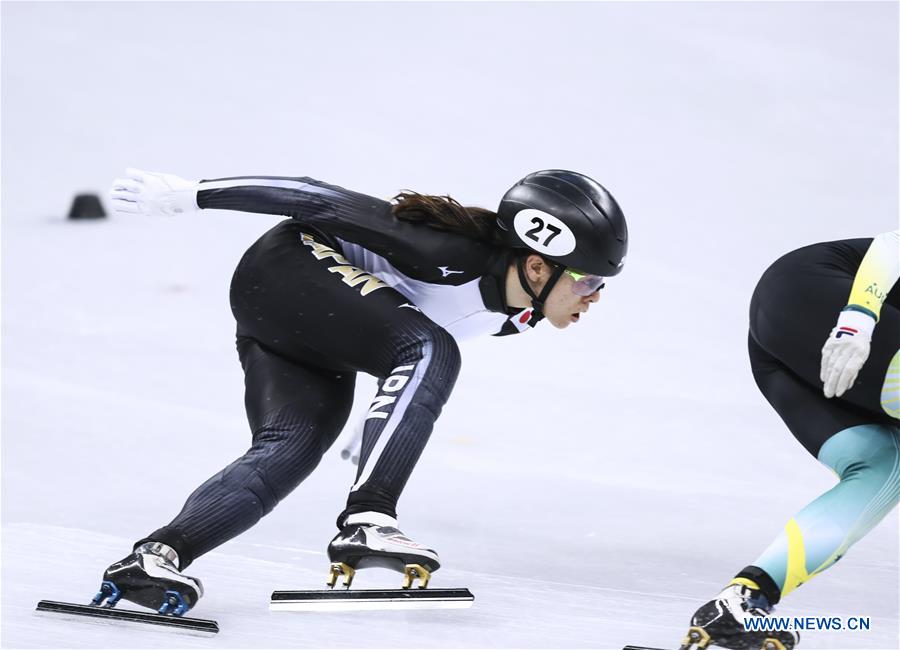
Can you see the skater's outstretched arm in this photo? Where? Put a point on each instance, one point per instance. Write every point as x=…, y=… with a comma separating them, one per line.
x=144, y=192
x=351, y=217
x=847, y=347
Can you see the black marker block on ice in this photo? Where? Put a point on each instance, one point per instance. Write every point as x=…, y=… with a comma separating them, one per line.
x=86, y=206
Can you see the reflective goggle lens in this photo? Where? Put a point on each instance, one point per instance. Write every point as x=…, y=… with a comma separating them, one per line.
x=585, y=284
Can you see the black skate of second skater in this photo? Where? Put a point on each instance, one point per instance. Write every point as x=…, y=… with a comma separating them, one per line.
x=720, y=623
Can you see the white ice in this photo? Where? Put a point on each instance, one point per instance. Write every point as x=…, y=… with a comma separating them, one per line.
x=593, y=486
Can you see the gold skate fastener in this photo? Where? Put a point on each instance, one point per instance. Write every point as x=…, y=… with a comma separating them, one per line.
x=696, y=639
x=772, y=644
x=340, y=569
x=412, y=572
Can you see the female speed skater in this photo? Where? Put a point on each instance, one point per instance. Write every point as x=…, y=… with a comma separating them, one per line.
x=351, y=283
x=841, y=402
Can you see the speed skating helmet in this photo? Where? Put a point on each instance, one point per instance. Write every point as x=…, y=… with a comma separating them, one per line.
x=567, y=218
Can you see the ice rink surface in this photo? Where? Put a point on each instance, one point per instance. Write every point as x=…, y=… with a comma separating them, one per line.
x=592, y=486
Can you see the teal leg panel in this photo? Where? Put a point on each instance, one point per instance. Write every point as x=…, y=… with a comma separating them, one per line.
x=866, y=459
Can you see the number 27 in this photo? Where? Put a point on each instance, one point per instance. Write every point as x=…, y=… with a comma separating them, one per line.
x=539, y=226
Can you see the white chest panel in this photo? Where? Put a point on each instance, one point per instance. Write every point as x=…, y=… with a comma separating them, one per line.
x=458, y=309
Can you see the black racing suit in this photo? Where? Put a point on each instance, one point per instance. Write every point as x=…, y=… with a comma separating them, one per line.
x=794, y=307
x=341, y=287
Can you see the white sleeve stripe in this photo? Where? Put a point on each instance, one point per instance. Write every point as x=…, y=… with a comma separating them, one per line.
x=267, y=182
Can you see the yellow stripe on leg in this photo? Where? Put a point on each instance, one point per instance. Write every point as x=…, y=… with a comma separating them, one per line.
x=796, y=573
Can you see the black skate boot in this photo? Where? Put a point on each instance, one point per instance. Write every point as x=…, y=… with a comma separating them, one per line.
x=371, y=539
x=720, y=623
x=150, y=578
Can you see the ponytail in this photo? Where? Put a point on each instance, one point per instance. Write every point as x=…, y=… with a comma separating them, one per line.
x=445, y=213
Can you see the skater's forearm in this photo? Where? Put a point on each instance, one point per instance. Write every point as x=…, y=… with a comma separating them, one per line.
x=878, y=272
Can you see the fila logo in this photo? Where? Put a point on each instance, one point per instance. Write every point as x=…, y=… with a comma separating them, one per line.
x=447, y=271
x=393, y=384
x=846, y=331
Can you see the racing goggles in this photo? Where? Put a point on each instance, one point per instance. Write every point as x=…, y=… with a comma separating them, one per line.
x=585, y=284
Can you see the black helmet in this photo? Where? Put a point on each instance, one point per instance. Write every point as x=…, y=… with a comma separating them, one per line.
x=567, y=218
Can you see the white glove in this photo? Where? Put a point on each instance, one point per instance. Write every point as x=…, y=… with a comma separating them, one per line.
x=845, y=352
x=153, y=193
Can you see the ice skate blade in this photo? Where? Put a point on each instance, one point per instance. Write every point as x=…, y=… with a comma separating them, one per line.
x=129, y=615
x=340, y=569
x=413, y=572
x=696, y=639
x=370, y=599
x=773, y=644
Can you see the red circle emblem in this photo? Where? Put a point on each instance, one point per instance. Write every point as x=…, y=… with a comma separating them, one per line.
x=524, y=318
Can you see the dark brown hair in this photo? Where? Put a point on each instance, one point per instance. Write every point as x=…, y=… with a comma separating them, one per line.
x=445, y=213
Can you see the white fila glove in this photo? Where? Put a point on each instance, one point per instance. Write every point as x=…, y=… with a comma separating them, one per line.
x=845, y=351
x=153, y=193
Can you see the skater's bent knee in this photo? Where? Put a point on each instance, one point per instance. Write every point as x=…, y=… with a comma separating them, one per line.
x=439, y=345
x=435, y=346
x=267, y=497
x=446, y=349
x=869, y=457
